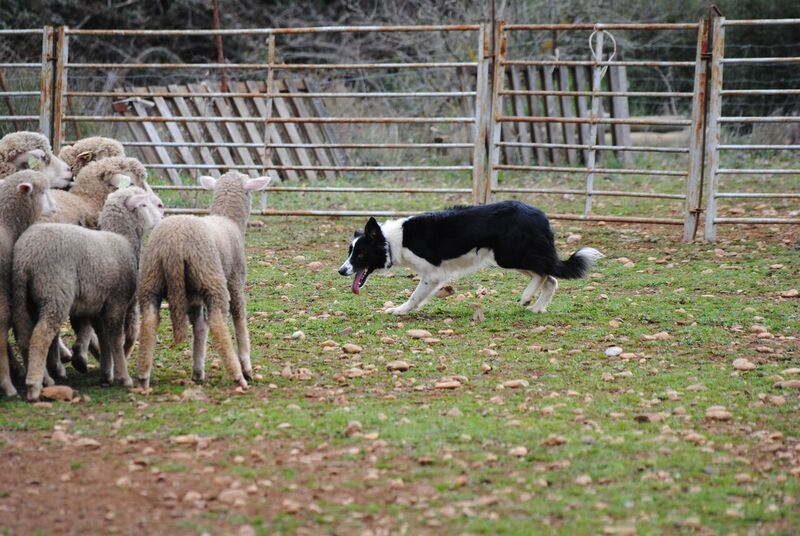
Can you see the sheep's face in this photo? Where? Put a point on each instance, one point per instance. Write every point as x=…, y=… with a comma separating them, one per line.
x=55, y=170
x=39, y=193
x=148, y=208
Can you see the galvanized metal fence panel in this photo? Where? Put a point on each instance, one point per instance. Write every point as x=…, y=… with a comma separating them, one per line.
x=26, y=96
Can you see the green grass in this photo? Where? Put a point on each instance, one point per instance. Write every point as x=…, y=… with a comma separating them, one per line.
x=644, y=475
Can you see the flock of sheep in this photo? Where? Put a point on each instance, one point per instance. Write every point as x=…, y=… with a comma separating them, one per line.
x=71, y=247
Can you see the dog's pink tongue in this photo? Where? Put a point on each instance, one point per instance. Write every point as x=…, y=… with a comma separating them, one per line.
x=356, y=279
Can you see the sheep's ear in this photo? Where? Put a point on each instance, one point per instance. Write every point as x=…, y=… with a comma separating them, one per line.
x=136, y=200
x=120, y=180
x=25, y=187
x=254, y=185
x=86, y=156
x=209, y=183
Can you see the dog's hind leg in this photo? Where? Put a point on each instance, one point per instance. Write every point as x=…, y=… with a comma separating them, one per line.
x=532, y=288
x=421, y=294
x=549, y=287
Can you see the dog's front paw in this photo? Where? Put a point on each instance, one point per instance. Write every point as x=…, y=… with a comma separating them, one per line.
x=399, y=310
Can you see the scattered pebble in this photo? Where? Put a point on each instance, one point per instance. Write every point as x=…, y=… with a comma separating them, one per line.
x=519, y=452
x=351, y=348
x=743, y=364
x=418, y=333
x=353, y=428
x=613, y=351
x=61, y=393
x=718, y=413
x=398, y=365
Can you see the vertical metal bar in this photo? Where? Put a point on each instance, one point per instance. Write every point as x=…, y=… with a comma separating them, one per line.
x=482, y=115
x=268, y=113
x=498, y=78
x=60, y=89
x=591, y=157
x=714, y=111
x=691, y=215
x=46, y=84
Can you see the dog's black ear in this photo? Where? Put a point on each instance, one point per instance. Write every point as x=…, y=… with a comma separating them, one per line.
x=373, y=230
x=357, y=234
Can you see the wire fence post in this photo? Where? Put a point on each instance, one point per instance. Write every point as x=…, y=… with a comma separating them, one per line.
x=498, y=78
x=591, y=157
x=714, y=112
x=60, y=88
x=268, y=114
x=483, y=108
x=694, y=179
x=46, y=84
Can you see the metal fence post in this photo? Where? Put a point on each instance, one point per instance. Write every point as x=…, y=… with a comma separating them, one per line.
x=47, y=80
x=483, y=107
x=694, y=179
x=591, y=157
x=714, y=112
x=268, y=114
x=60, y=88
x=498, y=80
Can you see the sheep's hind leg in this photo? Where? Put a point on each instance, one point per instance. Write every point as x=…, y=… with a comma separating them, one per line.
x=106, y=353
x=83, y=331
x=224, y=345
x=114, y=333
x=147, y=342
x=42, y=338
x=54, y=365
x=197, y=316
x=5, y=359
x=239, y=315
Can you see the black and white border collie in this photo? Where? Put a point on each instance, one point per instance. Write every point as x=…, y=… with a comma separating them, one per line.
x=441, y=246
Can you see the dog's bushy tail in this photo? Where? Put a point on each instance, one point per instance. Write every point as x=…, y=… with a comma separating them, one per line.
x=576, y=266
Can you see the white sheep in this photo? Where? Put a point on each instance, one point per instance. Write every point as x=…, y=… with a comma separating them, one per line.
x=199, y=265
x=88, y=150
x=31, y=150
x=90, y=275
x=23, y=197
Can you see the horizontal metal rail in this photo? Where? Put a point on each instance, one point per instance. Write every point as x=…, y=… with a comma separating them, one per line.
x=758, y=147
x=20, y=65
x=333, y=189
x=761, y=119
x=237, y=119
x=19, y=118
x=603, y=26
x=560, y=93
x=744, y=61
x=277, y=31
x=760, y=195
x=20, y=93
x=294, y=145
x=340, y=95
x=759, y=22
x=759, y=221
x=632, y=148
x=311, y=168
x=758, y=92
x=608, y=193
x=264, y=66
x=733, y=171
x=598, y=120
x=610, y=171
x=21, y=31
x=594, y=63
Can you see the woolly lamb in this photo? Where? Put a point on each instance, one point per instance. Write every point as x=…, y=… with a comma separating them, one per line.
x=30, y=150
x=62, y=270
x=23, y=197
x=199, y=265
x=95, y=182
x=89, y=150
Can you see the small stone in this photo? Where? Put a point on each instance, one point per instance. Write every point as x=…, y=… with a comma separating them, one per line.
x=791, y=371
x=353, y=428
x=776, y=400
x=329, y=344
x=791, y=293
x=61, y=393
x=87, y=443
x=418, y=333
x=718, y=413
x=571, y=238
x=123, y=482
x=454, y=412
x=189, y=439
x=387, y=340
x=743, y=478
x=515, y=384
x=743, y=364
x=315, y=266
x=351, y=348
x=788, y=384
x=291, y=506
x=192, y=496
x=236, y=497
x=758, y=328
x=398, y=365
x=613, y=351
x=554, y=440
x=583, y=480
x=651, y=417
x=486, y=368
x=246, y=530
x=519, y=452
x=299, y=335
x=448, y=384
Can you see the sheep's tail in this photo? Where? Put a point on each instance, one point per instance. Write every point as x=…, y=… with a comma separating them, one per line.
x=175, y=275
x=576, y=266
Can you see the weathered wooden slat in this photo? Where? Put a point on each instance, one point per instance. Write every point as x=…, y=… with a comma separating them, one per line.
x=539, y=135
x=520, y=110
x=284, y=157
x=312, y=130
x=173, y=128
x=618, y=80
x=243, y=110
x=151, y=134
x=194, y=129
x=581, y=84
x=202, y=106
x=567, y=111
x=145, y=153
x=282, y=110
x=551, y=110
x=508, y=130
x=339, y=154
x=234, y=133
